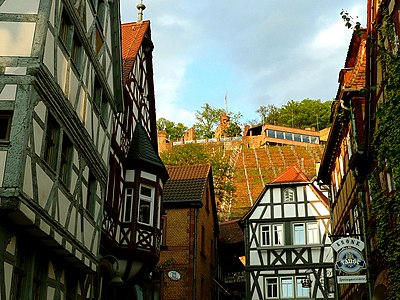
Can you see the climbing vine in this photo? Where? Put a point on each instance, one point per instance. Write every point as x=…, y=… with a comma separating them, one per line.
x=385, y=208
x=385, y=148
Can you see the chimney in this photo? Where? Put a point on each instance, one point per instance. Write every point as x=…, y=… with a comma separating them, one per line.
x=141, y=7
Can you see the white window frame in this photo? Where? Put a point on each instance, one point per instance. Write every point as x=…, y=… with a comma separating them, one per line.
x=295, y=242
x=299, y=288
x=268, y=231
x=313, y=233
x=264, y=235
x=275, y=287
x=289, y=291
x=278, y=237
x=149, y=200
x=128, y=205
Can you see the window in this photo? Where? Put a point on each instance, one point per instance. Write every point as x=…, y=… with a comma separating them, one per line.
x=286, y=287
x=100, y=100
x=303, y=237
x=91, y=194
x=289, y=136
x=76, y=52
x=274, y=238
x=356, y=220
x=51, y=144
x=71, y=40
x=297, y=137
x=146, y=203
x=66, y=31
x=66, y=160
x=312, y=233
x=128, y=204
x=271, y=287
x=288, y=195
x=203, y=239
x=278, y=234
x=299, y=234
x=265, y=235
x=300, y=291
x=279, y=134
x=5, y=125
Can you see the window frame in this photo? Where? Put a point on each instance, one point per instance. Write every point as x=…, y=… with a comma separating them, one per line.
x=149, y=200
x=128, y=209
x=299, y=287
x=282, y=295
x=6, y=117
x=274, y=286
x=303, y=233
x=52, y=141
x=270, y=235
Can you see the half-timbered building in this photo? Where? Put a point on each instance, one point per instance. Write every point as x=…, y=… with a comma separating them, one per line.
x=130, y=243
x=60, y=85
x=343, y=164
x=287, y=244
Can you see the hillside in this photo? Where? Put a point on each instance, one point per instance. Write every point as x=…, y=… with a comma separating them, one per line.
x=254, y=167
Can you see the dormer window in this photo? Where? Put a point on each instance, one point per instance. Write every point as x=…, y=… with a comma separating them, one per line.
x=288, y=195
x=146, y=204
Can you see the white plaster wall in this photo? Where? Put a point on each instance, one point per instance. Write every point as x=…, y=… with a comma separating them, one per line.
x=20, y=6
x=16, y=37
x=48, y=58
x=9, y=91
x=28, y=186
x=44, y=186
x=3, y=158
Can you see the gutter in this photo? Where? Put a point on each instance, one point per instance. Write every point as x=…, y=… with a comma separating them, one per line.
x=196, y=212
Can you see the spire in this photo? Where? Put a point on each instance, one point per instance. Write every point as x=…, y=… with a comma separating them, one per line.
x=141, y=7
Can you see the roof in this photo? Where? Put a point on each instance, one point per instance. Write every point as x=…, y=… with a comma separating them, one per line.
x=186, y=184
x=230, y=232
x=291, y=175
x=132, y=36
x=141, y=151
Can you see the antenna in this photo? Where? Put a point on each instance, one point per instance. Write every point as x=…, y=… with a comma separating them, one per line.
x=226, y=102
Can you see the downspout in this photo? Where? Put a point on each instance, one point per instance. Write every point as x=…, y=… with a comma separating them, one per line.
x=196, y=212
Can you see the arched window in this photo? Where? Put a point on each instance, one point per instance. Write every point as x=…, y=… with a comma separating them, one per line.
x=288, y=195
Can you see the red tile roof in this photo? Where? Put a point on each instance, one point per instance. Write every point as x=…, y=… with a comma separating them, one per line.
x=132, y=37
x=290, y=175
x=230, y=232
x=188, y=172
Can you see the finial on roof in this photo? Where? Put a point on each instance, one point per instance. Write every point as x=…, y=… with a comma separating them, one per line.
x=141, y=7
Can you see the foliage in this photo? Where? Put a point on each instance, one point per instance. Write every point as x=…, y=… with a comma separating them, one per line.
x=191, y=154
x=207, y=120
x=234, y=128
x=386, y=144
x=307, y=113
x=174, y=131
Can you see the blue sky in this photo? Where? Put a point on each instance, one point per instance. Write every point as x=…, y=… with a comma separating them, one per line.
x=258, y=52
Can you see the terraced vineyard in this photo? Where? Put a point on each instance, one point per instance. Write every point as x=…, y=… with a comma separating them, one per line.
x=255, y=167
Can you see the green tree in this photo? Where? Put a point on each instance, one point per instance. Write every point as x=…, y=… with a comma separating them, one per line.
x=207, y=120
x=174, y=131
x=307, y=113
x=235, y=127
x=191, y=154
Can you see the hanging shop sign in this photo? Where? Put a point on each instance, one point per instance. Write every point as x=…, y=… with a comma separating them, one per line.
x=349, y=260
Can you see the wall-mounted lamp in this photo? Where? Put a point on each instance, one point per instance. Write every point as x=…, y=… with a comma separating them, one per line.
x=116, y=278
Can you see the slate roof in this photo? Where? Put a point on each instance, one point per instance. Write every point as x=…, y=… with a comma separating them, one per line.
x=291, y=175
x=186, y=184
x=230, y=232
x=132, y=35
x=141, y=150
